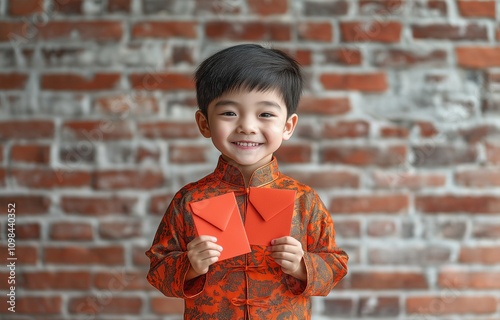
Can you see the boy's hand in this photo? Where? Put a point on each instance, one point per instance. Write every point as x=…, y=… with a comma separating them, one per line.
x=202, y=252
x=287, y=252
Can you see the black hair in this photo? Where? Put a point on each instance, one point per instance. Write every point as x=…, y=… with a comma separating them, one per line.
x=250, y=67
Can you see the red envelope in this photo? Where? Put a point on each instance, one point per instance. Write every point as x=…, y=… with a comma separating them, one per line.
x=220, y=217
x=269, y=214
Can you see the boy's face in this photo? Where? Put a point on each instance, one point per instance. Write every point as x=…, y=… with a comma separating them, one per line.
x=247, y=127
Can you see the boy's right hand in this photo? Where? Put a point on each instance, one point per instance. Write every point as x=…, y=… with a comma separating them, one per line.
x=202, y=252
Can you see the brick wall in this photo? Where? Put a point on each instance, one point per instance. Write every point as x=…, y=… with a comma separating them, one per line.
x=399, y=132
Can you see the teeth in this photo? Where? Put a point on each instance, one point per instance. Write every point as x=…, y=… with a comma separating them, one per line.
x=247, y=144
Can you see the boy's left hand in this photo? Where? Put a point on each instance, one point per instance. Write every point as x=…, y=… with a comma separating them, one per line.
x=287, y=252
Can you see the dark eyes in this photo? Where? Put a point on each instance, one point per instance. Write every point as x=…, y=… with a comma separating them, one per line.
x=233, y=114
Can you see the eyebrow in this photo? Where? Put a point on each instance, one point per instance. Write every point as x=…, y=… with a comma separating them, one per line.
x=264, y=102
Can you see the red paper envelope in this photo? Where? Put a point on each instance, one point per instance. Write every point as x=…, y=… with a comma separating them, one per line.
x=220, y=217
x=269, y=214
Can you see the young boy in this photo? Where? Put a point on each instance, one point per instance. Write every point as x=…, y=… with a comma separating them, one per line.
x=247, y=97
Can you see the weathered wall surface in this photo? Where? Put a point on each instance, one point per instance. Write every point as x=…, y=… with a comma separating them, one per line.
x=399, y=132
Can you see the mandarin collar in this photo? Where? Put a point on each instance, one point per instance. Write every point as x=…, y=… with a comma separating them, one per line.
x=232, y=175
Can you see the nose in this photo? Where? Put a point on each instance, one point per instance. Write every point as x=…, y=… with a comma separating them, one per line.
x=246, y=125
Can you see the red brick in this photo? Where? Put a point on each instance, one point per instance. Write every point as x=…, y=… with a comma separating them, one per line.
x=326, y=9
x=14, y=32
x=247, y=31
x=92, y=305
x=71, y=231
x=167, y=305
x=407, y=180
x=13, y=81
x=147, y=154
x=25, y=254
x=475, y=9
x=378, y=280
x=74, y=82
x=26, y=204
x=450, y=32
x=382, y=307
x=493, y=153
x=427, y=129
x=187, y=154
x=381, y=7
x=49, y=179
x=478, y=178
x=25, y=7
x=26, y=231
x=97, y=131
x=100, y=30
x=57, y=280
x=120, y=230
x=432, y=155
x=394, y=132
x=343, y=56
x=488, y=230
x=346, y=129
x=164, y=29
x=394, y=203
x=326, y=179
x=367, y=82
x=294, y=153
x=268, y=7
x=365, y=156
x=382, y=228
x=480, y=255
x=69, y=7
x=458, y=203
x=439, y=6
x=479, y=133
x=158, y=203
x=476, y=57
x=27, y=129
x=139, y=258
x=30, y=153
x=451, y=304
x=85, y=255
x=3, y=177
x=304, y=57
x=127, y=179
x=169, y=130
x=409, y=255
x=119, y=6
x=469, y=279
x=161, y=81
x=324, y=106
x=36, y=305
x=119, y=280
x=348, y=229
x=340, y=308
x=315, y=31
x=371, y=31
x=126, y=105
x=400, y=58
x=96, y=206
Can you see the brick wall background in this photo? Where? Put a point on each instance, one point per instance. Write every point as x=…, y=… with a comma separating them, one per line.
x=399, y=132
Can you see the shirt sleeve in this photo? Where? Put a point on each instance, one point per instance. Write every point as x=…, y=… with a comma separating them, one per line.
x=326, y=264
x=169, y=263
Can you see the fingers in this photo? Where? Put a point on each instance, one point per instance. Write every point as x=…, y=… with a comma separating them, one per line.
x=288, y=253
x=203, y=252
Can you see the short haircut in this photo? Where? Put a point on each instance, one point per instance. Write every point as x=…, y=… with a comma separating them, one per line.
x=249, y=67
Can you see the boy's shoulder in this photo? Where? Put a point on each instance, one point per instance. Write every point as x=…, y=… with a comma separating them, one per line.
x=293, y=183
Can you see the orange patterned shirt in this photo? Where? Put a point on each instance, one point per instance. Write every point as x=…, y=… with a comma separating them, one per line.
x=249, y=286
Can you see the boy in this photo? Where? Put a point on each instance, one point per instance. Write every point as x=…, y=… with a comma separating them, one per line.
x=247, y=97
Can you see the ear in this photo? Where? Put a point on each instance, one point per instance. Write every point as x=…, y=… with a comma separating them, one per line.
x=290, y=125
x=202, y=123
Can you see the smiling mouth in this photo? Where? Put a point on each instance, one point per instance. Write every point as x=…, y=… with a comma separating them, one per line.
x=246, y=144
